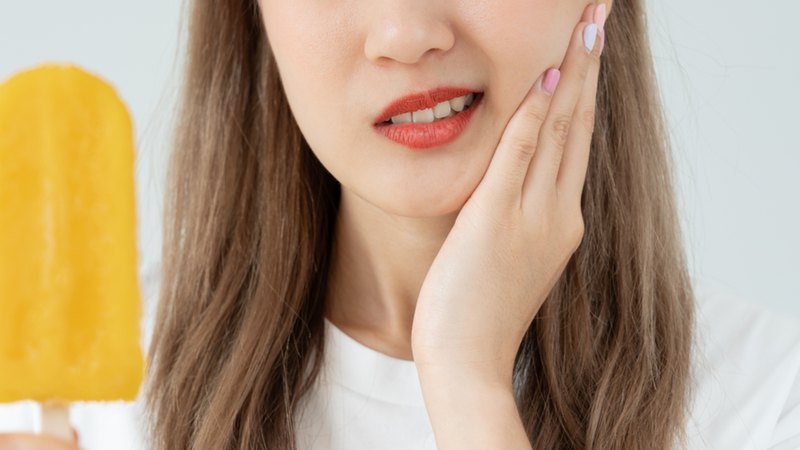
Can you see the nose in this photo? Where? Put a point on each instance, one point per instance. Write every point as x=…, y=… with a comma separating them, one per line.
x=405, y=31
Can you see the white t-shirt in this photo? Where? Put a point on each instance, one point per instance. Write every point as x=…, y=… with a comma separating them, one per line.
x=746, y=373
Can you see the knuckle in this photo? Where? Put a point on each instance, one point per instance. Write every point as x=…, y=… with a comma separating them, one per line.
x=534, y=115
x=523, y=149
x=559, y=130
x=587, y=118
x=577, y=232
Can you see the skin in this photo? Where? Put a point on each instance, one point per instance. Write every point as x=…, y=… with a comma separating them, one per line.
x=525, y=214
x=446, y=256
x=27, y=441
x=429, y=245
x=398, y=206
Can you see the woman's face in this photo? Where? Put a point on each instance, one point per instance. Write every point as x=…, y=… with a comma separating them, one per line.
x=343, y=61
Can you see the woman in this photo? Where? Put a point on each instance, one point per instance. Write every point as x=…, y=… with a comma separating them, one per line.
x=511, y=277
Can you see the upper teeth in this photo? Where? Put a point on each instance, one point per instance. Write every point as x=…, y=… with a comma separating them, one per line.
x=440, y=111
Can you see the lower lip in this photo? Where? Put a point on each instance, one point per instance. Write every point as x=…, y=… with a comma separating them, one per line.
x=421, y=136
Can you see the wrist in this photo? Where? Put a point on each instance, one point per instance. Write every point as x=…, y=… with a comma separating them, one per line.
x=473, y=414
x=493, y=375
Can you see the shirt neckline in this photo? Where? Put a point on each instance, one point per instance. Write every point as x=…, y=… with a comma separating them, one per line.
x=369, y=372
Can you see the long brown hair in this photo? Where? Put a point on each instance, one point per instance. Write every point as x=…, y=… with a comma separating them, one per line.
x=248, y=229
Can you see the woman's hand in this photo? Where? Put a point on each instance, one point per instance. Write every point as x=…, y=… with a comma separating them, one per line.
x=26, y=441
x=514, y=236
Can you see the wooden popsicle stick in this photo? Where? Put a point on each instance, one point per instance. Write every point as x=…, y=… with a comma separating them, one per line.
x=55, y=420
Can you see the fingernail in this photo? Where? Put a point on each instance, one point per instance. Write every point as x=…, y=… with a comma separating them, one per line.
x=589, y=36
x=550, y=81
x=600, y=15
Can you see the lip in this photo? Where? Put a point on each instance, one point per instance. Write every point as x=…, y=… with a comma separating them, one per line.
x=426, y=135
x=421, y=100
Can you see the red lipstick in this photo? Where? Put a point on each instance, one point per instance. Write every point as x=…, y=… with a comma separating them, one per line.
x=418, y=101
x=427, y=135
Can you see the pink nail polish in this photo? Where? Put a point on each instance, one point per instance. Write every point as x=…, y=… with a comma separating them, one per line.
x=600, y=16
x=550, y=81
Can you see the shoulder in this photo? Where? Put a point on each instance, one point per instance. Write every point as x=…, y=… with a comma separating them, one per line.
x=745, y=373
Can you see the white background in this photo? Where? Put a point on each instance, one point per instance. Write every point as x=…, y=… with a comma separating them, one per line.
x=729, y=75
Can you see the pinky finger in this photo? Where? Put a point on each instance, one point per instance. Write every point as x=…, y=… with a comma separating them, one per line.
x=572, y=172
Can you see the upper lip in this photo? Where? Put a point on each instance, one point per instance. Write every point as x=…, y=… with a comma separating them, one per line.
x=421, y=100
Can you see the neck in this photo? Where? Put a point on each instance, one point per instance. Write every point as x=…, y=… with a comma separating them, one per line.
x=379, y=262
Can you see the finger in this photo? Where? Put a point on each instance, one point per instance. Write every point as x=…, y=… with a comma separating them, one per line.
x=588, y=11
x=572, y=171
x=517, y=145
x=543, y=171
x=512, y=158
x=23, y=441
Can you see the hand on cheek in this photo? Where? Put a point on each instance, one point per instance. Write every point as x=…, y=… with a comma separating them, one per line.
x=516, y=233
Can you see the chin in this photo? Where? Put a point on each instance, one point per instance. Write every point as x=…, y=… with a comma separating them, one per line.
x=420, y=202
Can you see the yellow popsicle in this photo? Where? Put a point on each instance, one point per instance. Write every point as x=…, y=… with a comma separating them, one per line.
x=69, y=294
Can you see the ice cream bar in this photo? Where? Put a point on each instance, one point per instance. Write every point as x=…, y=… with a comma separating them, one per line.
x=69, y=295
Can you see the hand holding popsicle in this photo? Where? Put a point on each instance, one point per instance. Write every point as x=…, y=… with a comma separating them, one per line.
x=26, y=441
x=69, y=293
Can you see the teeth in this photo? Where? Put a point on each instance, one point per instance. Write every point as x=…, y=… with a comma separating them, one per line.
x=424, y=116
x=457, y=104
x=440, y=111
x=402, y=118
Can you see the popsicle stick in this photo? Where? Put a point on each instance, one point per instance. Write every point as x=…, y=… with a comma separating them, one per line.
x=55, y=420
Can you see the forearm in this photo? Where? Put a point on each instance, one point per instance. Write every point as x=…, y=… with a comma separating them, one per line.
x=473, y=415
